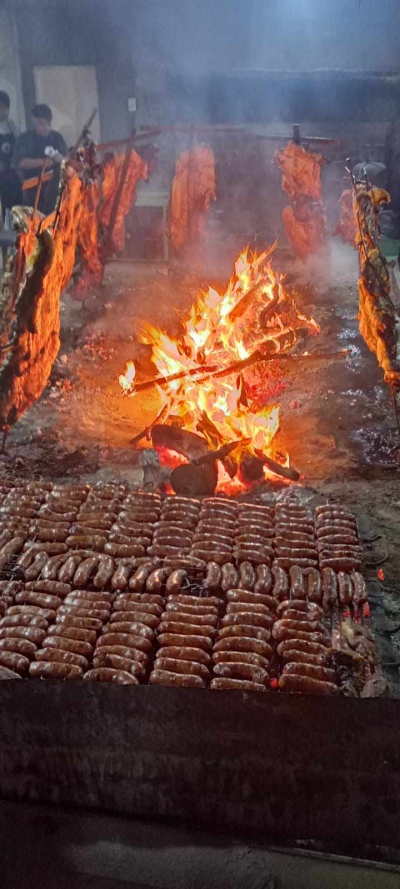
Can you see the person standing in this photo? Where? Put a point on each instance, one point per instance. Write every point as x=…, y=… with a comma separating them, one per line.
x=10, y=191
x=32, y=149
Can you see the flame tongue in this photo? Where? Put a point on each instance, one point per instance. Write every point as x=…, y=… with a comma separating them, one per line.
x=221, y=329
x=126, y=379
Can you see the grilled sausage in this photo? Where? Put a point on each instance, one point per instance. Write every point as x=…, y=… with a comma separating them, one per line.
x=156, y=580
x=110, y=674
x=223, y=684
x=345, y=589
x=138, y=579
x=281, y=583
x=54, y=670
x=264, y=582
x=237, y=670
x=298, y=586
x=14, y=661
x=251, y=598
x=103, y=658
x=247, y=576
x=241, y=657
x=73, y=645
x=194, y=655
x=329, y=589
x=84, y=571
x=184, y=640
x=315, y=671
x=244, y=643
x=127, y=640
x=229, y=576
x=177, y=665
x=104, y=573
x=213, y=578
x=71, y=619
x=175, y=581
x=306, y=685
x=309, y=645
x=54, y=655
x=162, y=677
x=359, y=589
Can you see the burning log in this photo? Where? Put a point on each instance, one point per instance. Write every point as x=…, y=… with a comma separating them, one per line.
x=305, y=220
x=192, y=480
x=197, y=477
x=257, y=357
x=180, y=440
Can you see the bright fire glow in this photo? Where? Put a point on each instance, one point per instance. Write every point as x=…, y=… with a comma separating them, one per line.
x=220, y=330
x=126, y=379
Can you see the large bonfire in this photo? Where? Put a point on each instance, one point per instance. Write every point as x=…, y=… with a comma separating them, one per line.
x=219, y=338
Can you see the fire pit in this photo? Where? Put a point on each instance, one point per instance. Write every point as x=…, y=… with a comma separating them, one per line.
x=205, y=376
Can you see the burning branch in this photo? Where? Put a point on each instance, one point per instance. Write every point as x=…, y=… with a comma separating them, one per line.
x=213, y=372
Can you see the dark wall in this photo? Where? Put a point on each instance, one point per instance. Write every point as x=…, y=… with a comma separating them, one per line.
x=221, y=61
x=264, y=60
x=307, y=35
x=81, y=32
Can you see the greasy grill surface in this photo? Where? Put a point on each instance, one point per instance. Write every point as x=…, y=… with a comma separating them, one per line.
x=107, y=584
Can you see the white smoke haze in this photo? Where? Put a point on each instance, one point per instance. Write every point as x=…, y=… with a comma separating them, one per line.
x=337, y=265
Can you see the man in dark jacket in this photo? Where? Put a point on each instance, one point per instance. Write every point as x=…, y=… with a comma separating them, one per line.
x=38, y=145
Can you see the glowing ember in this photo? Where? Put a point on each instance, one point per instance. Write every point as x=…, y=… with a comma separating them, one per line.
x=221, y=330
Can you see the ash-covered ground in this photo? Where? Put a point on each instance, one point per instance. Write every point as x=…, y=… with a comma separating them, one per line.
x=337, y=418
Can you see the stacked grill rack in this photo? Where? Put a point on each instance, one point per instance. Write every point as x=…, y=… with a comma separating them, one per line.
x=106, y=584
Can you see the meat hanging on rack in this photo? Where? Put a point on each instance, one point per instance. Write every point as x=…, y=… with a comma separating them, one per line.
x=137, y=169
x=305, y=220
x=377, y=315
x=88, y=240
x=193, y=189
x=37, y=273
x=346, y=227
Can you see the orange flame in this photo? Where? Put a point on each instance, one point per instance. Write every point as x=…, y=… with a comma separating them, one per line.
x=126, y=379
x=220, y=329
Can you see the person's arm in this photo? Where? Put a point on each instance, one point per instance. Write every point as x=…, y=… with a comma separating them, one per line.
x=22, y=161
x=34, y=163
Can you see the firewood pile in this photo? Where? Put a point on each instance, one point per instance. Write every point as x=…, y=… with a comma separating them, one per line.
x=107, y=584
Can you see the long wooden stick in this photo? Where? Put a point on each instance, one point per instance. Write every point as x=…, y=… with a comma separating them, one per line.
x=256, y=357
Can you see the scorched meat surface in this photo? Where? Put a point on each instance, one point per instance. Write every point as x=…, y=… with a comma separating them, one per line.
x=36, y=275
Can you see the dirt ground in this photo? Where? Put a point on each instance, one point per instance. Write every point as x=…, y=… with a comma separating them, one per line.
x=337, y=418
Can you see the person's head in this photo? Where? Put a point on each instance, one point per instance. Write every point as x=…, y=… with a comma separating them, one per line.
x=42, y=118
x=4, y=105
